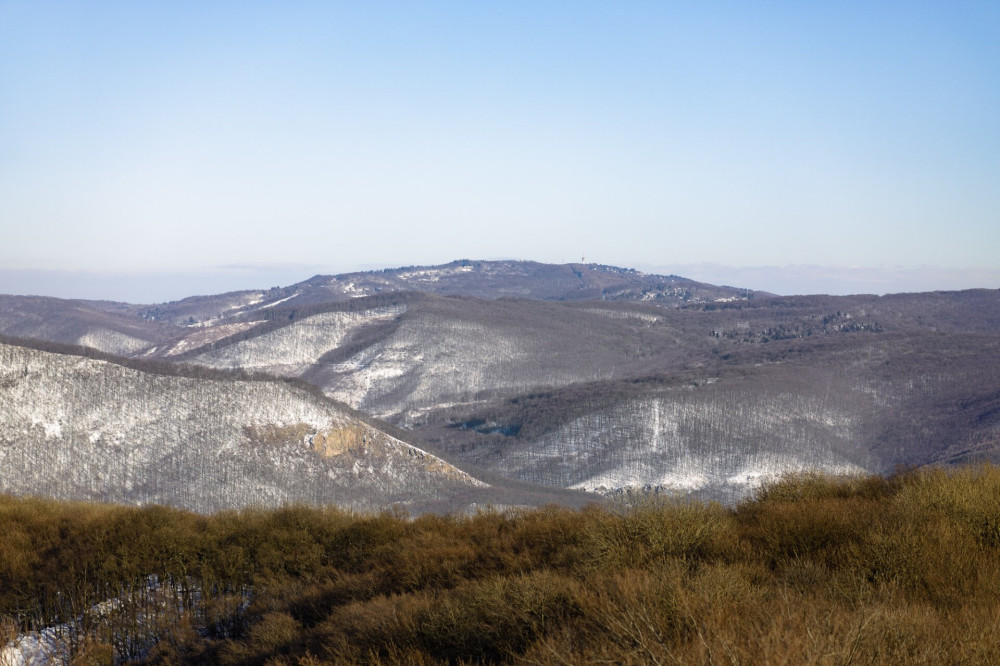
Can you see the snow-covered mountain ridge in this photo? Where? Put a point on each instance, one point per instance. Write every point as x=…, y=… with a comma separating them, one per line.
x=593, y=377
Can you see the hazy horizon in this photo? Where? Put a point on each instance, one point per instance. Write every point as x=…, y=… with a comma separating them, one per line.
x=161, y=287
x=139, y=139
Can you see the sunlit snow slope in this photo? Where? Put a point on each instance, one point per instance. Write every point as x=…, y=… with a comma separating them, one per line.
x=80, y=428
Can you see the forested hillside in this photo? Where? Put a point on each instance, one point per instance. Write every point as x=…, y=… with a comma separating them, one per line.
x=602, y=396
x=83, y=428
x=596, y=378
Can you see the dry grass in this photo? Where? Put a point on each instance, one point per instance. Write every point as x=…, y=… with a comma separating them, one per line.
x=812, y=571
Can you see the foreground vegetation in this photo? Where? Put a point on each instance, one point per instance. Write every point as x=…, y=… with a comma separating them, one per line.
x=812, y=571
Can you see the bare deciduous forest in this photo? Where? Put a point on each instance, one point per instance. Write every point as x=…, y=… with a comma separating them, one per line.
x=904, y=569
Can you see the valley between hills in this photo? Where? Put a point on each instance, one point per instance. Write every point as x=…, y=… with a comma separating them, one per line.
x=505, y=383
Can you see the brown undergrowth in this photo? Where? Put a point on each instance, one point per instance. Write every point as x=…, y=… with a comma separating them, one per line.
x=813, y=570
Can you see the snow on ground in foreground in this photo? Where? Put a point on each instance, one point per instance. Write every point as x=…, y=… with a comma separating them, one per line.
x=36, y=648
x=147, y=611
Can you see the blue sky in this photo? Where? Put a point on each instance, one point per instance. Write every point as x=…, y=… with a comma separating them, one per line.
x=264, y=142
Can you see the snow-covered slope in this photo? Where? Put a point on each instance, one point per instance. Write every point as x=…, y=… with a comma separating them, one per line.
x=442, y=354
x=881, y=402
x=291, y=350
x=812, y=383
x=399, y=361
x=80, y=428
x=719, y=439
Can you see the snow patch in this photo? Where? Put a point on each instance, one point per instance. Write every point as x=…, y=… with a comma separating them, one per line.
x=278, y=302
x=111, y=342
x=625, y=314
x=52, y=429
x=206, y=335
x=37, y=648
x=755, y=476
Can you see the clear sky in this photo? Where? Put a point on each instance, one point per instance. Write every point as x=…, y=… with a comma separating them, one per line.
x=289, y=138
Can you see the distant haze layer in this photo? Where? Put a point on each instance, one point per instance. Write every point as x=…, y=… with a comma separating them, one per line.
x=160, y=287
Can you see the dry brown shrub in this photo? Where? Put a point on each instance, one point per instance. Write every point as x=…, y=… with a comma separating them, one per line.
x=930, y=561
x=362, y=632
x=498, y=617
x=816, y=571
x=92, y=652
x=808, y=486
x=969, y=496
x=638, y=614
x=273, y=631
x=428, y=560
x=659, y=531
x=9, y=629
x=550, y=537
x=820, y=528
